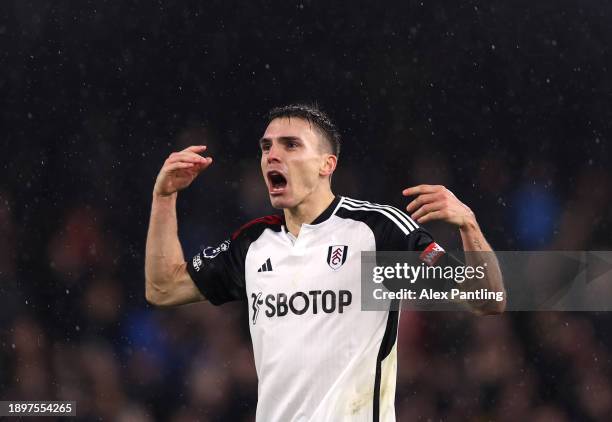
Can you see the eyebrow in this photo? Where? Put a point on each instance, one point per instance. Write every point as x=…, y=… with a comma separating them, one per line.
x=281, y=139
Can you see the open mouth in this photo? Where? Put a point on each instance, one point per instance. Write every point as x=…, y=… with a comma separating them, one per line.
x=278, y=182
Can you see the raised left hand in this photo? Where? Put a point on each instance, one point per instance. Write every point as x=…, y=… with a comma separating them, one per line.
x=435, y=202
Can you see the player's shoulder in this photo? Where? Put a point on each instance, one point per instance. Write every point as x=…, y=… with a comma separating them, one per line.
x=255, y=227
x=375, y=215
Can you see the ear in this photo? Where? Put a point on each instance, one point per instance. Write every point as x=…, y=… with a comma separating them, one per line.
x=328, y=166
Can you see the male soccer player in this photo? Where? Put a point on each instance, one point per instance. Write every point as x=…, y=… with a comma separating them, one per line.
x=318, y=356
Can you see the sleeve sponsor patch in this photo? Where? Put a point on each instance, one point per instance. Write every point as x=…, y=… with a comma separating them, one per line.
x=432, y=253
x=197, y=262
x=211, y=252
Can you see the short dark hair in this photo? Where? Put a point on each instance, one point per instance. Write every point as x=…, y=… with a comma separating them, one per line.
x=315, y=116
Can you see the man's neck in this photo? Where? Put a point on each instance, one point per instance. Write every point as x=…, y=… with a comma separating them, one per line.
x=307, y=211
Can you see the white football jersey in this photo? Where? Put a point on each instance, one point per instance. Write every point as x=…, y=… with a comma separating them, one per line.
x=319, y=357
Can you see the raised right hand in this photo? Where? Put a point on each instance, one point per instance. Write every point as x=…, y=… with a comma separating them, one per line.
x=180, y=169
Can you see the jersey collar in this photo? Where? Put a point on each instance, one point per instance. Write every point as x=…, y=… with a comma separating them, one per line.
x=329, y=211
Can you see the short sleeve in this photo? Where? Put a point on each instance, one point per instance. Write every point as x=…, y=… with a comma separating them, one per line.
x=218, y=272
x=401, y=233
x=395, y=234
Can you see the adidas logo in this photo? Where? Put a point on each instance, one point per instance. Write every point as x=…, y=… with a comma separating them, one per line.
x=267, y=266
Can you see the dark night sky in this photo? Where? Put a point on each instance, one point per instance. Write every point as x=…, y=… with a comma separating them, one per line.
x=96, y=94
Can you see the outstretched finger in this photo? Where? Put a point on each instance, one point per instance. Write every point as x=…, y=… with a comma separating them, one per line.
x=179, y=166
x=417, y=190
x=431, y=216
x=204, y=165
x=421, y=200
x=186, y=156
x=427, y=208
x=196, y=148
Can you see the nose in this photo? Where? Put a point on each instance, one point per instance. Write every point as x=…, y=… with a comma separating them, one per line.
x=273, y=153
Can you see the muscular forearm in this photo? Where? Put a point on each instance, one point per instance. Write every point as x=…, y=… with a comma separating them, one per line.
x=435, y=202
x=479, y=252
x=167, y=281
x=164, y=255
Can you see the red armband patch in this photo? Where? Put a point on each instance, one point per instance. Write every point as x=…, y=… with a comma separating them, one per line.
x=432, y=253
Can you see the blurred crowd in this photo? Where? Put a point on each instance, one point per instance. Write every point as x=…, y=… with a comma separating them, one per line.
x=81, y=331
x=508, y=108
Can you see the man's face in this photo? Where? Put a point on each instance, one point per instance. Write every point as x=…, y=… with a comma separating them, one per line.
x=292, y=159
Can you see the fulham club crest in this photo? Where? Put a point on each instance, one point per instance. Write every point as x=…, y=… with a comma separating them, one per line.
x=336, y=256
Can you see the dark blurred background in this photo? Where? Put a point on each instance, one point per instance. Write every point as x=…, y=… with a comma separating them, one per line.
x=506, y=103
